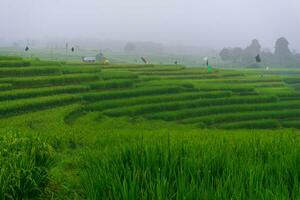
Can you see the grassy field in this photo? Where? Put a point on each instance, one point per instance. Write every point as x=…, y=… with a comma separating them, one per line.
x=70, y=130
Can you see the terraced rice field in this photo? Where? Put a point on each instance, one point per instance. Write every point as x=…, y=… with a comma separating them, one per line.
x=91, y=131
x=220, y=99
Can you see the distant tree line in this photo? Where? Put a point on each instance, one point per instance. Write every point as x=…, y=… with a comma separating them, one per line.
x=282, y=55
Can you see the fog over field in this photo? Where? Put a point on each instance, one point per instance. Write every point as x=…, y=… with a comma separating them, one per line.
x=210, y=23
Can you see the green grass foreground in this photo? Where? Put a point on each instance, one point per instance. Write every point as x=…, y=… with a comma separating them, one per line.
x=121, y=158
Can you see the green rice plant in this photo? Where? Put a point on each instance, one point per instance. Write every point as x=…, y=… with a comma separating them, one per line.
x=47, y=91
x=195, y=113
x=239, y=87
x=268, y=84
x=28, y=71
x=24, y=166
x=215, y=75
x=81, y=69
x=136, y=92
x=252, y=124
x=297, y=86
x=49, y=80
x=145, y=82
x=113, y=84
x=174, y=73
x=293, y=123
x=6, y=58
x=292, y=80
x=248, y=79
x=178, y=105
x=34, y=104
x=117, y=75
x=157, y=69
x=5, y=86
x=126, y=66
x=72, y=116
x=289, y=95
x=219, y=86
x=245, y=116
x=279, y=91
x=100, y=106
x=187, y=77
x=42, y=63
x=13, y=63
x=216, y=168
x=232, y=75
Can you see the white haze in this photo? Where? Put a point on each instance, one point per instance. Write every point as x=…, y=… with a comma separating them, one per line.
x=204, y=23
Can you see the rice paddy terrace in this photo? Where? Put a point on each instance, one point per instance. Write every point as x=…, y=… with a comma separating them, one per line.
x=224, y=99
x=90, y=131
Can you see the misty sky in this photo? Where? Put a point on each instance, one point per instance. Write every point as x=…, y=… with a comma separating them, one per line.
x=207, y=23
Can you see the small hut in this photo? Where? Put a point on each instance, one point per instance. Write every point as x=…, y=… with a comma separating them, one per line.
x=89, y=59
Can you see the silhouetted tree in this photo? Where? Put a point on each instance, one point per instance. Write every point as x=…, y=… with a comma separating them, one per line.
x=231, y=54
x=282, y=52
x=130, y=47
x=225, y=54
x=251, y=52
x=236, y=54
x=267, y=56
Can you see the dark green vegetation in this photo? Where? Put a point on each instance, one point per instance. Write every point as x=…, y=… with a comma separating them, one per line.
x=90, y=131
